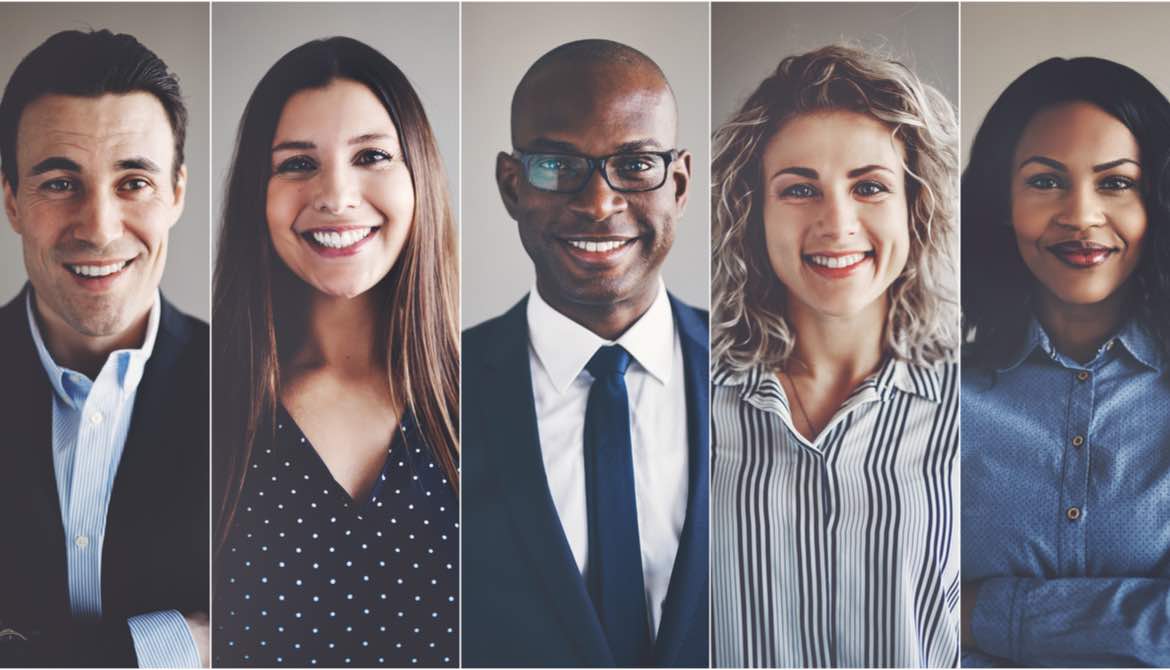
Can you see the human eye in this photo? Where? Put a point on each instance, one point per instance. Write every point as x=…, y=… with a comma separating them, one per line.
x=870, y=188
x=372, y=157
x=1116, y=182
x=1044, y=182
x=555, y=164
x=635, y=163
x=59, y=186
x=800, y=191
x=295, y=165
x=134, y=184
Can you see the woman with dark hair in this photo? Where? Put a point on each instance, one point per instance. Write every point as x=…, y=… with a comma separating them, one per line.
x=1066, y=400
x=336, y=374
x=835, y=403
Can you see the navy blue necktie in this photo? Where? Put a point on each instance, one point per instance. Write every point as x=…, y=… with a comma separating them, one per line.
x=615, y=556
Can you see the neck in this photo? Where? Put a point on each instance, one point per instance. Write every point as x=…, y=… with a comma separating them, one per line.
x=85, y=353
x=607, y=321
x=341, y=334
x=841, y=349
x=1078, y=331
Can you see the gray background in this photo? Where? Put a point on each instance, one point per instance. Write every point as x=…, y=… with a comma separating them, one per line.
x=1000, y=42
x=177, y=32
x=500, y=42
x=422, y=39
x=748, y=41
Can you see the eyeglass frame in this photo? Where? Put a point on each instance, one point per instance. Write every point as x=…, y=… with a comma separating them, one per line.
x=595, y=165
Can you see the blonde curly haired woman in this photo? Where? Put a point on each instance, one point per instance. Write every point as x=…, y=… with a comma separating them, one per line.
x=835, y=404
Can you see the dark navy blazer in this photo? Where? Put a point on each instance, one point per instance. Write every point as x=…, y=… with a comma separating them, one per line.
x=524, y=600
x=155, y=555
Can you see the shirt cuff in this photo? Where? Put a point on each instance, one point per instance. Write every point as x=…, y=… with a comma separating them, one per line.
x=995, y=623
x=163, y=640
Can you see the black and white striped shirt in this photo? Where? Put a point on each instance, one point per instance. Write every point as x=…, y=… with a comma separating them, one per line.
x=843, y=551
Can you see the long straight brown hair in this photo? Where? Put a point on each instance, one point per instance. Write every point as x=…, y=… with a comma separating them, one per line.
x=258, y=304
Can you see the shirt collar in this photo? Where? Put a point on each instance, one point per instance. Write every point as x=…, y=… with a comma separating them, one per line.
x=72, y=386
x=564, y=346
x=1134, y=338
x=894, y=374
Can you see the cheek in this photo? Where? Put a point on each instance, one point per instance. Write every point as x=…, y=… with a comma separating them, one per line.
x=782, y=231
x=393, y=196
x=284, y=203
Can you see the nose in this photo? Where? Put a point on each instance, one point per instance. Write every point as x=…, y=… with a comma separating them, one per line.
x=838, y=218
x=597, y=200
x=338, y=191
x=100, y=222
x=1082, y=208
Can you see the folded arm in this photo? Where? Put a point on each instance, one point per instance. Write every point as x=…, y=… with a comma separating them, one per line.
x=1112, y=621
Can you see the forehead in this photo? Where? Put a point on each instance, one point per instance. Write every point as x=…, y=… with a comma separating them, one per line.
x=833, y=141
x=338, y=111
x=1077, y=132
x=597, y=110
x=96, y=131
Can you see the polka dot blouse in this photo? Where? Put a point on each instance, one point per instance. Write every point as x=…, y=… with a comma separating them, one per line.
x=311, y=578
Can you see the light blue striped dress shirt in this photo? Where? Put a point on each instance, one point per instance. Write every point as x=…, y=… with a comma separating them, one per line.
x=91, y=419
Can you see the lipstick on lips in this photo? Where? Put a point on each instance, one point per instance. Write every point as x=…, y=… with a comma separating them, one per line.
x=1082, y=254
x=336, y=241
x=602, y=249
x=837, y=264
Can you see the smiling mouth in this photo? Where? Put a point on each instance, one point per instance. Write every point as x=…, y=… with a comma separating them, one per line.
x=1079, y=254
x=92, y=271
x=598, y=250
x=837, y=265
x=334, y=239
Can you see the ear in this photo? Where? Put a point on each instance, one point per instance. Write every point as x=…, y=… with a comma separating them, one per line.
x=509, y=172
x=180, y=192
x=10, y=205
x=682, y=179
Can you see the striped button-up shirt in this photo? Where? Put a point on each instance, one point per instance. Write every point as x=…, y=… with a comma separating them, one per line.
x=843, y=550
x=91, y=419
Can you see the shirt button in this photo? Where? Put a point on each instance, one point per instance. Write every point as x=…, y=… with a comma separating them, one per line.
x=95, y=418
x=1073, y=513
x=1082, y=375
x=1078, y=441
x=82, y=541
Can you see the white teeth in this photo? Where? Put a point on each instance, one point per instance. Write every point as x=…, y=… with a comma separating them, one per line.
x=335, y=240
x=96, y=270
x=606, y=245
x=837, y=261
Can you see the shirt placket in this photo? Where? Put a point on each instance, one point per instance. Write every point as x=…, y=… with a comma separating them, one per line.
x=1078, y=441
x=88, y=500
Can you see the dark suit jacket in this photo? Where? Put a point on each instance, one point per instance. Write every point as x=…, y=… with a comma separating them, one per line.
x=524, y=600
x=155, y=555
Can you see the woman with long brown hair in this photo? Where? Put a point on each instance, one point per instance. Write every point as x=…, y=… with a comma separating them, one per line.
x=336, y=374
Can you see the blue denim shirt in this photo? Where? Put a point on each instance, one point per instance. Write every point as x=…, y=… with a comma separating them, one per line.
x=1066, y=505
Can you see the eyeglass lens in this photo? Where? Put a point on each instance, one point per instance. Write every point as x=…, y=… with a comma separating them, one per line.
x=623, y=172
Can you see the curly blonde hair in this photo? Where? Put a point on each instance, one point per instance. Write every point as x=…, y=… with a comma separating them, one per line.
x=922, y=325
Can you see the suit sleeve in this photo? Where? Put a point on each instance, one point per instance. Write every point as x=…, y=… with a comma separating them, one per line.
x=1106, y=621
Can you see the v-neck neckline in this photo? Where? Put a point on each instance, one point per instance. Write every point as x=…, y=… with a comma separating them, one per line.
x=380, y=480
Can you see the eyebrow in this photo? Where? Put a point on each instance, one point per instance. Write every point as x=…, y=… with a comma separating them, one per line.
x=807, y=173
x=55, y=163
x=304, y=145
x=1057, y=165
x=138, y=163
x=866, y=169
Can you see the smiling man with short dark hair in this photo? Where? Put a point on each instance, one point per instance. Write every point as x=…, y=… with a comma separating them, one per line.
x=585, y=406
x=104, y=399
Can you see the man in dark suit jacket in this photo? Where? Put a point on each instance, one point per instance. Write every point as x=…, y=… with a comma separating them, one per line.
x=104, y=395
x=577, y=552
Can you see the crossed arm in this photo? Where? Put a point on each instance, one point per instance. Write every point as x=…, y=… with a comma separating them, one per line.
x=1109, y=621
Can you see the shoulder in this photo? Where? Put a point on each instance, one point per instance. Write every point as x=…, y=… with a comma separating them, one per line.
x=690, y=313
x=184, y=336
x=479, y=339
x=12, y=314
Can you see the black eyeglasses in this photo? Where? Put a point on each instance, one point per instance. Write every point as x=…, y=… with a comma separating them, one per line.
x=633, y=172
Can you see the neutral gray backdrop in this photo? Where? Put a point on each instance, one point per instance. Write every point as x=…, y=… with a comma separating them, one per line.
x=1001, y=41
x=748, y=41
x=500, y=42
x=177, y=32
x=422, y=39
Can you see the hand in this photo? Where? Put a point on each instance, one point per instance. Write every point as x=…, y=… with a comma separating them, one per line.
x=967, y=609
x=201, y=632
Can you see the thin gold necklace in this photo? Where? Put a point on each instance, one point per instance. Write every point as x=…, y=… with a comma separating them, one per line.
x=800, y=405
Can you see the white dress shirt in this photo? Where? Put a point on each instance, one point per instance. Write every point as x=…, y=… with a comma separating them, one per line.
x=559, y=348
x=91, y=419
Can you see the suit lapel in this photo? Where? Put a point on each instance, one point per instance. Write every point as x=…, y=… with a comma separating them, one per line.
x=529, y=500
x=686, y=598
